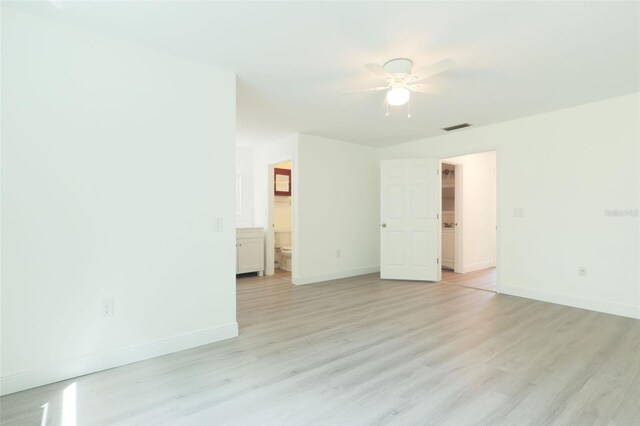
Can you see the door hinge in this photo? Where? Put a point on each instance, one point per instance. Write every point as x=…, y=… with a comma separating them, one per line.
x=437, y=172
x=438, y=261
x=437, y=215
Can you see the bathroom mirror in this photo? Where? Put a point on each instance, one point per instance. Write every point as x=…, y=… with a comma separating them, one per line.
x=282, y=182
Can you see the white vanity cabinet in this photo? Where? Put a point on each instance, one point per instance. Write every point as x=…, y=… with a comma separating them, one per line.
x=249, y=250
x=448, y=247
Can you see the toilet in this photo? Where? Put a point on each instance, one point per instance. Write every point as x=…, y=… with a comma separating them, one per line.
x=283, y=249
x=285, y=258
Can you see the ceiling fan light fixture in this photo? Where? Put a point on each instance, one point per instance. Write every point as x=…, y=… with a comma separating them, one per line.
x=398, y=96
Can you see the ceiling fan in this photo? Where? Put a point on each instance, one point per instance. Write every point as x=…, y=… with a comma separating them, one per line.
x=401, y=80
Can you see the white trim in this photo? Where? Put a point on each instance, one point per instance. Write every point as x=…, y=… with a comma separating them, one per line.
x=95, y=362
x=458, y=259
x=478, y=266
x=576, y=302
x=269, y=240
x=335, y=275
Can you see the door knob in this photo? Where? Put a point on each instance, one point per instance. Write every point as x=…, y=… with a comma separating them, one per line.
x=384, y=225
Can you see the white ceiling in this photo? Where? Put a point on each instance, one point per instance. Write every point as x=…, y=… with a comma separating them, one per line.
x=293, y=59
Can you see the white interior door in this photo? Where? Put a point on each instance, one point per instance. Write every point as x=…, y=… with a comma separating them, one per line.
x=410, y=219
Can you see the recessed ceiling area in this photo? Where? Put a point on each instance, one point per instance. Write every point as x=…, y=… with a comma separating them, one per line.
x=294, y=59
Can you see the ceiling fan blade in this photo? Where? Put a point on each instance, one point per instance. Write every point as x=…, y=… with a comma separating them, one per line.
x=433, y=69
x=378, y=70
x=420, y=88
x=371, y=89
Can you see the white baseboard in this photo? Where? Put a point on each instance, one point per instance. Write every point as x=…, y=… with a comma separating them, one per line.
x=576, y=302
x=478, y=266
x=310, y=279
x=92, y=363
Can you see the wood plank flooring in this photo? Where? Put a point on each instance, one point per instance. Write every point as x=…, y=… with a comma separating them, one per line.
x=484, y=279
x=362, y=351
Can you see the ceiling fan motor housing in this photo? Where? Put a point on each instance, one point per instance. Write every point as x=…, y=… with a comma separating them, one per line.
x=399, y=66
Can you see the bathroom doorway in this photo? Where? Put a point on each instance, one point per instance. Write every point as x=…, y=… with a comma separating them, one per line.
x=469, y=220
x=279, y=249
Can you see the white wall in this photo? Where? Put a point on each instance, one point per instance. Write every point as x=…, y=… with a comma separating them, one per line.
x=564, y=169
x=115, y=161
x=478, y=222
x=244, y=169
x=338, y=206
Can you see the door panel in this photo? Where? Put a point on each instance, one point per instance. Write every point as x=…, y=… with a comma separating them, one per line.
x=396, y=248
x=420, y=249
x=410, y=224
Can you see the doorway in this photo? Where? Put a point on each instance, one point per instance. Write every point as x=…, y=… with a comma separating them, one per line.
x=469, y=220
x=281, y=218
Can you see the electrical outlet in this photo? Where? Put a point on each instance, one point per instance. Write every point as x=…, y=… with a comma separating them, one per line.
x=217, y=224
x=582, y=271
x=107, y=307
x=338, y=253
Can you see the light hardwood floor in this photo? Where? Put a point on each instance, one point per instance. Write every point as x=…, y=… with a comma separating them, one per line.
x=362, y=351
x=484, y=279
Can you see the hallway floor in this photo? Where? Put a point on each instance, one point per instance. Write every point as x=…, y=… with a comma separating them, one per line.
x=484, y=279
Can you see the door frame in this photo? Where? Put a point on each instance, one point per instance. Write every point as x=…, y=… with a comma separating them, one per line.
x=270, y=251
x=458, y=207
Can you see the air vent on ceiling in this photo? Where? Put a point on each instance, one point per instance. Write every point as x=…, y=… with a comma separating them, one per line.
x=456, y=127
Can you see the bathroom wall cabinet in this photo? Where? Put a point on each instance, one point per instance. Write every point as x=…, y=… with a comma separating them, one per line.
x=282, y=182
x=249, y=250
